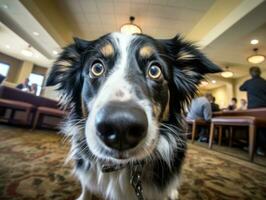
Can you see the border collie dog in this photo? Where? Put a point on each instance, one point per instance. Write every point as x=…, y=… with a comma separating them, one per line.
x=126, y=95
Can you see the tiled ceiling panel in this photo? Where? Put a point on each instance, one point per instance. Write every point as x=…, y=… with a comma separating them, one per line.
x=163, y=19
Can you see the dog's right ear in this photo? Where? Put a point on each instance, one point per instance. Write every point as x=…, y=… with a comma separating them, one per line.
x=67, y=69
x=67, y=63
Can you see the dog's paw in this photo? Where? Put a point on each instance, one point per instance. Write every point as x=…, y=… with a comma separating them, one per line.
x=174, y=195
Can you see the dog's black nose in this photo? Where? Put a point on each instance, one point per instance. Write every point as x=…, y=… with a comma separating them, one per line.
x=121, y=126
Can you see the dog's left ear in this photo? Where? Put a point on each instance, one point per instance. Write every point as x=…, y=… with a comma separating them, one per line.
x=189, y=59
x=188, y=66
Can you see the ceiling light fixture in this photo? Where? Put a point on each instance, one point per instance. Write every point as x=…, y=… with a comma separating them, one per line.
x=227, y=73
x=130, y=28
x=213, y=81
x=254, y=41
x=55, y=52
x=27, y=52
x=256, y=58
x=4, y=6
x=36, y=33
x=204, y=83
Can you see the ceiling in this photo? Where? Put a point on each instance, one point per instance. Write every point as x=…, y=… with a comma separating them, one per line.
x=12, y=45
x=222, y=29
x=163, y=19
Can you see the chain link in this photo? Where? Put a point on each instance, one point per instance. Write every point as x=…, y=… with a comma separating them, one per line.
x=135, y=180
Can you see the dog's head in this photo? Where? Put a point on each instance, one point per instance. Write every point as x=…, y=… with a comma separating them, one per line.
x=128, y=89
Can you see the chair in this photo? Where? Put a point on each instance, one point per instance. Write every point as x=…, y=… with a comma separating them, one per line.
x=195, y=124
x=15, y=106
x=231, y=121
x=45, y=111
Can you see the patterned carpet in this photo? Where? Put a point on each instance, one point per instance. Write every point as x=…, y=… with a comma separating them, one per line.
x=32, y=167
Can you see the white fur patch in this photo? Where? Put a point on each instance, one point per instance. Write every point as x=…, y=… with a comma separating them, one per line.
x=116, y=185
x=117, y=83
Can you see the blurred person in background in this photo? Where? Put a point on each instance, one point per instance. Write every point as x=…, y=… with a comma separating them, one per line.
x=233, y=104
x=24, y=86
x=215, y=107
x=256, y=92
x=34, y=88
x=243, y=104
x=201, y=109
x=255, y=88
x=2, y=78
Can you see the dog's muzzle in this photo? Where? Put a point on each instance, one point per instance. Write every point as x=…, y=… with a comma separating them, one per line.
x=121, y=125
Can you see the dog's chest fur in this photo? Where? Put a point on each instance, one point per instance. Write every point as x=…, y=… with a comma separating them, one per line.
x=116, y=185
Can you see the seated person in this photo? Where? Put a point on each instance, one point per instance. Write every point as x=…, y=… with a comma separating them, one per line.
x=215, y=107
x=232, y=105
x=2, y=78
x=201, y=109
x=34, y=88
x=243, y=104
x=24, y=86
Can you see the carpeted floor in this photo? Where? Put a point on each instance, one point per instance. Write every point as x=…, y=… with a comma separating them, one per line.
x=32, y=167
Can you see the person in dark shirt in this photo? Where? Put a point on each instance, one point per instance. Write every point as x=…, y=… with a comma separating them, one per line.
x=256, y=92
x=215, y=106
x=2, y=78
x=24, y=86
x=232, y=105
x=255, y=88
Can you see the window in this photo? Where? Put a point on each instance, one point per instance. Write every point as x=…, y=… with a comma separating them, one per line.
x=38, y=79
x=4, y=69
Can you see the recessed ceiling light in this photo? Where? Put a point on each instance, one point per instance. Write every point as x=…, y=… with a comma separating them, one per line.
x=55, y=52
x=4, y=6
x=254, y=41
x=27, y=53
x=8, y=46
x=36, y=33
x=213, y=81
x=204, y=83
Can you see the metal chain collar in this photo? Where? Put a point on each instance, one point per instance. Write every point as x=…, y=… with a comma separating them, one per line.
x=135, y=176
x=135, y=180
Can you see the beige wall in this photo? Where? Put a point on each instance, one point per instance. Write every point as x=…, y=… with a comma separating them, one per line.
x=14, y=69
x=25, y=70
x=19, y=70
x=39, y=70
x=220, y=95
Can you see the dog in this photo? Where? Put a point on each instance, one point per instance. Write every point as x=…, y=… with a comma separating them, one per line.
x=126, y=96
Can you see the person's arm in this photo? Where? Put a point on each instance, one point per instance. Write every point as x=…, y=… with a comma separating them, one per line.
x=207, y=112
x=243, y=87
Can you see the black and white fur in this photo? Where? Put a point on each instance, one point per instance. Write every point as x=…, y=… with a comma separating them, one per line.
x=125, y=79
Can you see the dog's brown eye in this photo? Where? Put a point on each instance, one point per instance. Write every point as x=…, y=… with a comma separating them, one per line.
x=97, y=69
x=154, y=72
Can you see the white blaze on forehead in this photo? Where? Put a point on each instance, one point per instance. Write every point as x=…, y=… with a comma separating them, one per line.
x=116, y=87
